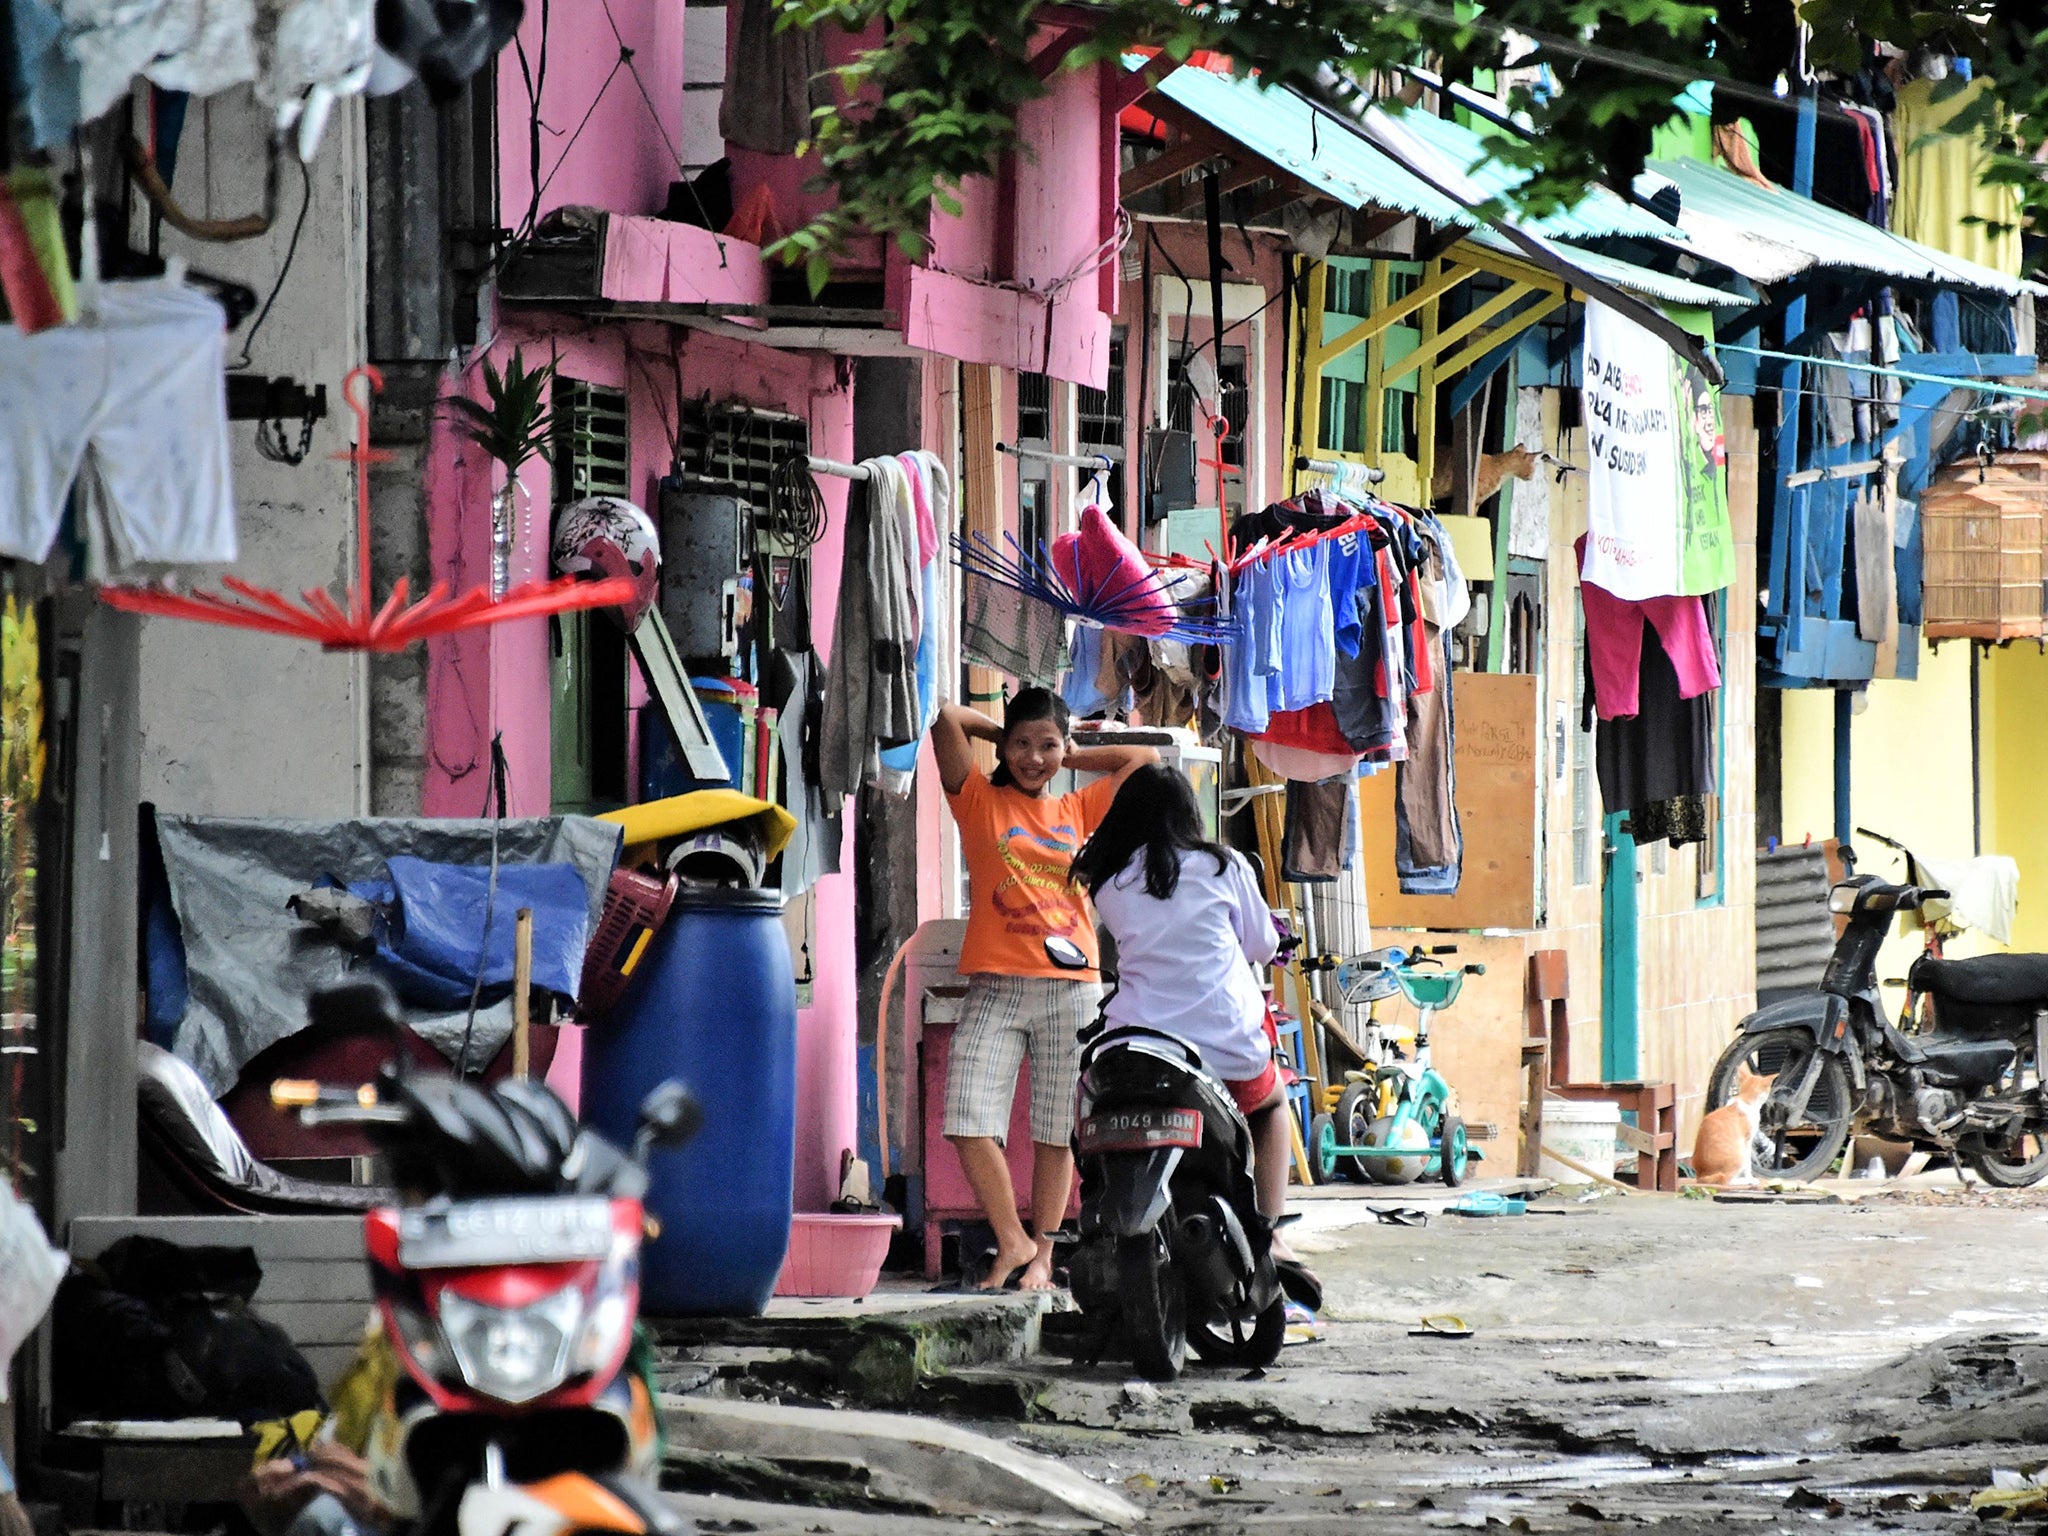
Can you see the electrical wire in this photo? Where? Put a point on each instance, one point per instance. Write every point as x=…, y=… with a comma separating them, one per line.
x=499, y=771
x=291, y=251
x=796, y=507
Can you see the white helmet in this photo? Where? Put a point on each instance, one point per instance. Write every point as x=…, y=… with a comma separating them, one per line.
x=602, y=536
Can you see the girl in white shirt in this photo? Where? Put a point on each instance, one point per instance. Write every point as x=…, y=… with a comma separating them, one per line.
x=1190, y=922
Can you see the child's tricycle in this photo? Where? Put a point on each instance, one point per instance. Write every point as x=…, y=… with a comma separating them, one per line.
x=1396, y=1121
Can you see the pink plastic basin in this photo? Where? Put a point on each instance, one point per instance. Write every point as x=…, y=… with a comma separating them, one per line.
x=833, y=1255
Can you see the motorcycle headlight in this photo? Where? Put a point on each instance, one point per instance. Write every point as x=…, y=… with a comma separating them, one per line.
x=513, y=1354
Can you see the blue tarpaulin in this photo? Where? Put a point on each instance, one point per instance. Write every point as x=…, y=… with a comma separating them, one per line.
x=434, y=927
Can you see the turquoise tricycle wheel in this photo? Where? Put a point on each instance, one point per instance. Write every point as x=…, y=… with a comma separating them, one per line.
x=1322, y=1149
x=1454, y=1154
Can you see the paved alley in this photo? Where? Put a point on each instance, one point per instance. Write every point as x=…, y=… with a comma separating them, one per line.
x=1679, y=1361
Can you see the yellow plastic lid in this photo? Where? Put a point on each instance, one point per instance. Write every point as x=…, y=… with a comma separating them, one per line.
x=680, y=815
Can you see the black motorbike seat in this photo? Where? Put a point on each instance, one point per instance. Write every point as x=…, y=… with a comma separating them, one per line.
x=1970, y=1063
x=1984, y=979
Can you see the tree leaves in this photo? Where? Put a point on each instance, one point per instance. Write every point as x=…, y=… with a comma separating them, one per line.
x=936, y=100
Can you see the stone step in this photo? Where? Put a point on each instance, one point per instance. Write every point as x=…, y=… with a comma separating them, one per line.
x=876, y=1353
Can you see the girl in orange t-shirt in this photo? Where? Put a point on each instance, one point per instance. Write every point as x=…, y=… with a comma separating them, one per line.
x=1018, y=840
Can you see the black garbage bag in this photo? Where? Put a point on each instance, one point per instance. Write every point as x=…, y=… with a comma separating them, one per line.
x=153, y=1330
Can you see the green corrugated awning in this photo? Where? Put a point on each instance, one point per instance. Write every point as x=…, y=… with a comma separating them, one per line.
x=1771, y=234
x=1311, y=142
x=1324, y=151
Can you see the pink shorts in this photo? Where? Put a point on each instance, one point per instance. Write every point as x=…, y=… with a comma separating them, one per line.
x=1252, y=1092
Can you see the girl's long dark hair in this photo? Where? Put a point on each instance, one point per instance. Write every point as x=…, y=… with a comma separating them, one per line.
x=1154, y=812
x=1028, y=705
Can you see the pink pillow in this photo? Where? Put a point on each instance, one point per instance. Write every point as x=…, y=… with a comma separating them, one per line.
x=1105, y=571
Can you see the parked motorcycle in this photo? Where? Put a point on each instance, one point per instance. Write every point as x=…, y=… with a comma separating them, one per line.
x=1962, y=1077
x=507, y=1280
x=1174, y=1253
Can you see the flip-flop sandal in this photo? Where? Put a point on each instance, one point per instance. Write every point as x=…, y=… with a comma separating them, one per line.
x=1300, y=1284
x=1402, y=1216
x=1442, y=1326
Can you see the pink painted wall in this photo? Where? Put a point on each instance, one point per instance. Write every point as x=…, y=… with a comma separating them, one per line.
x=500, y=681
x=618, y=159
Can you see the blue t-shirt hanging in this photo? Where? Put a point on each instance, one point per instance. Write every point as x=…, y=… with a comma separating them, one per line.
x=1252, y=659
x=1308, y=646
x=1351, y=566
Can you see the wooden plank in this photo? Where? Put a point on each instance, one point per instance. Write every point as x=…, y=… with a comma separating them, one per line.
x=174, y=1474
x=273, y=1237
x=1486, y=341
x=1496, y=760
x=318, y=1322
x=1434, y=345
x=981, y=511
x=1193, y=149
x=309, y=1280
x=1385, y=315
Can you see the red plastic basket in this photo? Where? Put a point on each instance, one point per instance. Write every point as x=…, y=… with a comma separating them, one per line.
x=635, y=907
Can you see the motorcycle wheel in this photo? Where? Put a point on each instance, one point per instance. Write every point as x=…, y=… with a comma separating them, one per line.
x=1355, y=1111
x=1154, y=1305
x=1809, y=1149
x=1240, y=1348
x=1322, y=1154
x=2009, y=1166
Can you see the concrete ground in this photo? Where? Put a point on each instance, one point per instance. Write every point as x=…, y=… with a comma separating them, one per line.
x=1684, y=1362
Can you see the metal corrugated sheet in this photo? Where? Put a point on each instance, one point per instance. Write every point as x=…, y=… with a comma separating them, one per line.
x=1330, y=154
x=1725, y=216
x=1794, y=933
x=1654, y=285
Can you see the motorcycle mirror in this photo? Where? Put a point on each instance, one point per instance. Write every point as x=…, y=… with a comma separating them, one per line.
x=669, y=1116
x=1066, y=954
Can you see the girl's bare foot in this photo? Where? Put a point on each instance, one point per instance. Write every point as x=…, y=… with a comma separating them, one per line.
x=1008, y=1261
x=1038, y=1273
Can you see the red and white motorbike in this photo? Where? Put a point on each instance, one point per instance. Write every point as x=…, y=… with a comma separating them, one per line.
x=507, y=1279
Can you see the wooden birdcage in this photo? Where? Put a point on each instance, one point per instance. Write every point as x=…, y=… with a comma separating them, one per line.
x=1983, y=557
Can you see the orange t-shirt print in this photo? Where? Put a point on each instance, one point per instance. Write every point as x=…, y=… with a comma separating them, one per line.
x=1018, y=849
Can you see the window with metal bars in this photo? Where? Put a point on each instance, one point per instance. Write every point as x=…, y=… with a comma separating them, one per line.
x=1100, y=413
x=592, y=449
x=1236, y=405
x=590, y=768
x=1034, y=408
x=738, y=446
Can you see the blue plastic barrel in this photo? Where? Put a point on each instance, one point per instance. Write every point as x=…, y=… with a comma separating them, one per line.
x=713, y=1002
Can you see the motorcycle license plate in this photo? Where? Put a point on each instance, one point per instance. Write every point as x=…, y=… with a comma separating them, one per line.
x=1138, y=1130
x=480, y=1232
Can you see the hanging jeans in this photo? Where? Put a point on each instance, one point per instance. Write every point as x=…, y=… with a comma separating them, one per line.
x=1429, y=845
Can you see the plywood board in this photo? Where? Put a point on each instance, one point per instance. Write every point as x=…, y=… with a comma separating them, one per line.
x=1496, y=757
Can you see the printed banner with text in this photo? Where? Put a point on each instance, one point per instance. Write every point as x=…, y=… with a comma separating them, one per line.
x=1657, y=484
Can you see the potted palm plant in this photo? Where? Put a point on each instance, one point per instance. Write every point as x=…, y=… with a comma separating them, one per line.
x=512, y=424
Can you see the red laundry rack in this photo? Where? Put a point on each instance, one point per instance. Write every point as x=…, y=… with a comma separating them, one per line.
x=350, y=623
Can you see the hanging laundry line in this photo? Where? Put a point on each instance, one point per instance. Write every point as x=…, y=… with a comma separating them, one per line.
x=820, y=466
x=1305, y=465
x=1910, y=376
x=1096, y=461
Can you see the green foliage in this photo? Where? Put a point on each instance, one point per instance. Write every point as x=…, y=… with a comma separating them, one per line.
x=515, y=423
x=937, y=100
x=22, y=757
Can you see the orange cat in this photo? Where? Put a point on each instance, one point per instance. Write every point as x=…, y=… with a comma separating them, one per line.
x=1721, y=1151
